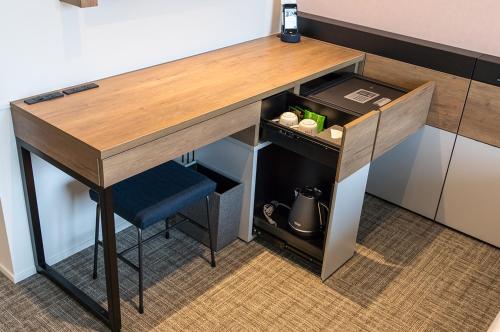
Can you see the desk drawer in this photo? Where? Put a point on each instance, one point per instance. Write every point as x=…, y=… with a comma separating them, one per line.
x=402, y=114
x=450, y=92
x=346, y=155
x=402, y=118
x=141, y=158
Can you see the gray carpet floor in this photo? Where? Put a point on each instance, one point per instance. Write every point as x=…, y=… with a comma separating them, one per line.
x=408, y=274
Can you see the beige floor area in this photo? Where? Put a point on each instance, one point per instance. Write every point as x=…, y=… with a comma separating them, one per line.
x=408, y=274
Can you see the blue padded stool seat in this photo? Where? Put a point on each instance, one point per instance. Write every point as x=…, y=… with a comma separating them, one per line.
x=158, y=193
x=153, y=196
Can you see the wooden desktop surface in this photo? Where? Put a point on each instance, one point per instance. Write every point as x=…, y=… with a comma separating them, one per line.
x=135, y=108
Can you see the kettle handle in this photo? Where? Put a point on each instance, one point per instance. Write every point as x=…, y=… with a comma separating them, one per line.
x=322, y=205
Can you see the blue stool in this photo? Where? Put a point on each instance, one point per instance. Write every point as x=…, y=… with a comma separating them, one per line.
x=153, y=196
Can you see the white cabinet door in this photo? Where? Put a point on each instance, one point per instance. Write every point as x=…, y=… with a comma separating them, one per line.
x=412, y=174
x=471, y=195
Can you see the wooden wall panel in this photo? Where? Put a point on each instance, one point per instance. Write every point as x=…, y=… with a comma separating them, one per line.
x=449, y=97
x=481, y=119
x=357, y=144
x=82, y=3
x=402, y=117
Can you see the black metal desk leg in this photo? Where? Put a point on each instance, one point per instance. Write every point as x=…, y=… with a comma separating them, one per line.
x=110, y=317
x=32, y=207
x=110, y=259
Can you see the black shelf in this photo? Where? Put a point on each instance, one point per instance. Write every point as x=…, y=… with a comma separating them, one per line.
x=312, y=147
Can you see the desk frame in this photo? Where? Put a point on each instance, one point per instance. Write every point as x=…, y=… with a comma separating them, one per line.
x=112, y=316
x=213, y=108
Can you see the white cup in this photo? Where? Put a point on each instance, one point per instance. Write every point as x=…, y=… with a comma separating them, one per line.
x=308, y=126
x=289, y=119
x=336, y=133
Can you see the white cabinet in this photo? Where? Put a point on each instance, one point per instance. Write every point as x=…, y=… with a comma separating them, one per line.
x=471, y=195
x=412, y=174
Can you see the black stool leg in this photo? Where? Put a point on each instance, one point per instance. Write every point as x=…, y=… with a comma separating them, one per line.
x=167, y=233
x=210, y=237
x=96, y=243
x=141, y=285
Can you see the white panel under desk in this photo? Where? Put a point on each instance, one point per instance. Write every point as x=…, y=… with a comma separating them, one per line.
x=347, y=203
x=471, y=196
x=412, y=174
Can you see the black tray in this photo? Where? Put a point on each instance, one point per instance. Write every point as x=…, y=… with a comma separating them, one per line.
x=309, y=146
x=313, y=148
x=311, y=247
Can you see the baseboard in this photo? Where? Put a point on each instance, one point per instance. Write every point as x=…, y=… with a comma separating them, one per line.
x=19, y=276
x=25, y=274
x=54, y=259
x=7, y=272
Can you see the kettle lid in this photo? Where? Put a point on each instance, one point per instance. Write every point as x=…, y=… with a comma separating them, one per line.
x=310, y=192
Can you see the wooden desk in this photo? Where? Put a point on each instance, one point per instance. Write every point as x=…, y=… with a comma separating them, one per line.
x=139, y=120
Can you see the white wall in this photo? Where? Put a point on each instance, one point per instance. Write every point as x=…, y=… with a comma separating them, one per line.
x=48, y=45
x=5, y=261
x=469, y=24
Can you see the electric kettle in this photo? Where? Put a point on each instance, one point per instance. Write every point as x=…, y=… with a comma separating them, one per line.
x=306, y=218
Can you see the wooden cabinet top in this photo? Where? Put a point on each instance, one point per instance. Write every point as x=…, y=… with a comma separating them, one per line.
x=137, y=107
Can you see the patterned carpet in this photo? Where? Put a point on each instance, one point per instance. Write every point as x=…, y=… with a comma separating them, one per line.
x=408, y=274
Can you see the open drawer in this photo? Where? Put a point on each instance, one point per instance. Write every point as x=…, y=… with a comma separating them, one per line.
x=297, y=160
x=346, y=155
x=402, y=112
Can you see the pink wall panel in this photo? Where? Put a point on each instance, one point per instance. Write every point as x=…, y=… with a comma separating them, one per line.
x=469, y=24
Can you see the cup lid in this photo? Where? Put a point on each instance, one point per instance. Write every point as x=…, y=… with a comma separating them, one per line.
x=308, y=122
x=289, y=115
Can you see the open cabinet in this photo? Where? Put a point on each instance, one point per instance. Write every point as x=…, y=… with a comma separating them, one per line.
x=337, y=167
x=284, y=159
x=297, y=160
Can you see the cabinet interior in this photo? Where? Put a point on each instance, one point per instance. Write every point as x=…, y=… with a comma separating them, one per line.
x=279, y=172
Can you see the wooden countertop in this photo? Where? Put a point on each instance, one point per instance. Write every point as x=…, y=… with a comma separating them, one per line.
x=137, y=107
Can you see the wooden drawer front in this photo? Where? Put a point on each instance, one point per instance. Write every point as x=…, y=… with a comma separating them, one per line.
x=449, y=98
x=357, y=144
x=402, y=117
x=149, y=155
x=481, y=119
x=57, y=145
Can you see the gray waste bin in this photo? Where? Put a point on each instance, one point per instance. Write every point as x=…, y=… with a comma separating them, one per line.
x=225, y=211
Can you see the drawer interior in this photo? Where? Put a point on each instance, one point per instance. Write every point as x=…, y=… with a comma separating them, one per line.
x=274, y=106
x=402, y=112
x=279, y=172
x=319, y=148
x=353, y=93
